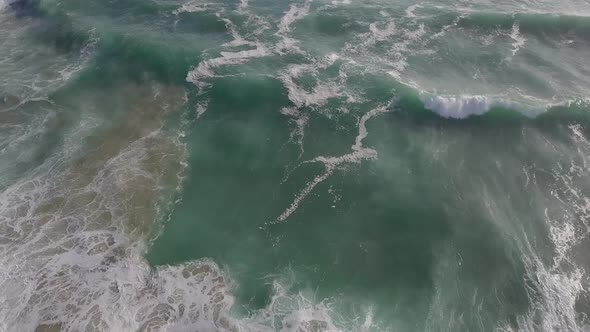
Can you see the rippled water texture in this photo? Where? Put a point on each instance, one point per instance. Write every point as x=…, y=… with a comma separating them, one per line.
x=297, y=166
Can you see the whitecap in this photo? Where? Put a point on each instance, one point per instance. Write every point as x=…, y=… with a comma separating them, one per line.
x=464, y=106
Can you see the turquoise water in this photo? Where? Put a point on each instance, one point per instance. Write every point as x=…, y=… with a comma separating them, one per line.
x=294, y=166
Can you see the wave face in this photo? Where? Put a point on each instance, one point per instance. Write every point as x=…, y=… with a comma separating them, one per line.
x=294, y=166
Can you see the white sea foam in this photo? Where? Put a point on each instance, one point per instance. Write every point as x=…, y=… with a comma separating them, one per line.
x=400, y=51
x=382, y=34
x=557, y=285
x=358, y=154
x=237, y=40
x=323, y=90
x=65, y=247
x=518, y=39
x=201, y=108
x=318, y=96
x=256, y=23
x=367, y=48
x=96, y=279
x=299, y=119
x=410, y=11
x=205, y=69
x=458, y=107
x=553, y=297
x=448, y=27
x=193, y=7
x=295, y=13
x=573, y=225
x=243, y=6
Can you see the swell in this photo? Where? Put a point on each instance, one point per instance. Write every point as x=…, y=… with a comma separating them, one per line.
x=167, y=294
x=480, y=108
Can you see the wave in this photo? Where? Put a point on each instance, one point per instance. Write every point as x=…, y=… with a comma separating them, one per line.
x=464, y=106
x=75, y=232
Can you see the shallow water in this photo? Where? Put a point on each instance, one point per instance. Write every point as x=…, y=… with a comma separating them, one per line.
x=298, y=166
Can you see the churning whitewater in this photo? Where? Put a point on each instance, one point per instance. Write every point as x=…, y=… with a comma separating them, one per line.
x=294, y=165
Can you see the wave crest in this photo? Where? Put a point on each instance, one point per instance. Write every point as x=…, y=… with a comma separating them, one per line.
x=464, y=106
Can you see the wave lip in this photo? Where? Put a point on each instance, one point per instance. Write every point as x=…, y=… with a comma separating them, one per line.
x=464, y=106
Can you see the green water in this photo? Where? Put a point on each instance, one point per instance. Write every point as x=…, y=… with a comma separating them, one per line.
x=294, y=166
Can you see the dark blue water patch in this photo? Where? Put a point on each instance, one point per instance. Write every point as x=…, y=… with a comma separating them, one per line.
x=55, y=29
x=119, y=57
x=24, y=8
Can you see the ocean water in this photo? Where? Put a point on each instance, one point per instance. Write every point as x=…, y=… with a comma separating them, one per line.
x=257, y=165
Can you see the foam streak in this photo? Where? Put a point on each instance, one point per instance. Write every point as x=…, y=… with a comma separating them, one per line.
x=358, y=154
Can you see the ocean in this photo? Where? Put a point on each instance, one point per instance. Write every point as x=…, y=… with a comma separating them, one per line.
x=258, y=165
